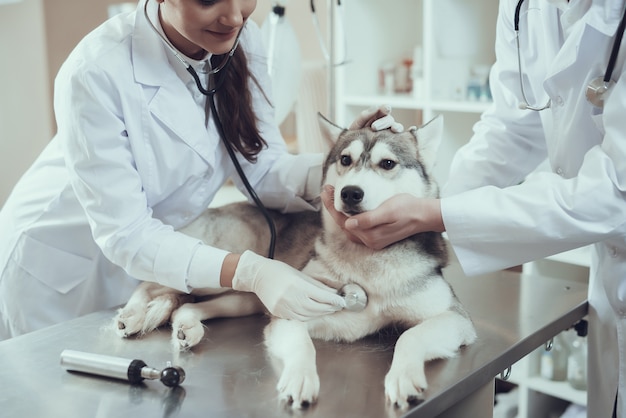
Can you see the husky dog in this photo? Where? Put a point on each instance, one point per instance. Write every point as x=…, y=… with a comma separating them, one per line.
x=403, y=282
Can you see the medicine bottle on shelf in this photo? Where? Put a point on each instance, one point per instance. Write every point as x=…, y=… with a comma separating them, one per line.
x=554, y=361
x=577, y=361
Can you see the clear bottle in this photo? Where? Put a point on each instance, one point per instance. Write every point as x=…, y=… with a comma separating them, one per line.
x=577, y=361
x=554, y=361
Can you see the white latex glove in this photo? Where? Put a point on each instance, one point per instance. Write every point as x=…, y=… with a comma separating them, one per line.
x=285, y=292
x=378, y=118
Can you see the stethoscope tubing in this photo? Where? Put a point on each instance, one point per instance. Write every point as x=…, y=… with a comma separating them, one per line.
x=242, y=175
x=210, y=94
x=524, y=105
x=617, y=41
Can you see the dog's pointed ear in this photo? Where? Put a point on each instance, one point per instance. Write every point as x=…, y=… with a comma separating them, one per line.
x=429, y=138
x=329, y=130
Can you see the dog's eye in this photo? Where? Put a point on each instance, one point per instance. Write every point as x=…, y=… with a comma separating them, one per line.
x=346, y=160
x=387, y=164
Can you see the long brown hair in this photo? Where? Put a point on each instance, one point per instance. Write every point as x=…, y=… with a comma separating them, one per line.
x=234, y=106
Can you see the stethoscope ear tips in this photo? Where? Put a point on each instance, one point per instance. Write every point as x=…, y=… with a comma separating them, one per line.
x=522, y=105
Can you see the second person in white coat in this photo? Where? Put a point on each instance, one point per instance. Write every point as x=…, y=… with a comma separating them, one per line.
x=496, y=216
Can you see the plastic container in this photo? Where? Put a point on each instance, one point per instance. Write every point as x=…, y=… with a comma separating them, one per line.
x=577, y=360
x=554, y=362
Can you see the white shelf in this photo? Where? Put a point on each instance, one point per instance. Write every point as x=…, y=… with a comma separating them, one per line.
x=407, y=101
x=561, y=390
x=460, y=106
x=578, y=257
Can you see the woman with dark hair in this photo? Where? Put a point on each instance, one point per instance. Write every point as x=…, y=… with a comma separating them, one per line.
x=137, y=156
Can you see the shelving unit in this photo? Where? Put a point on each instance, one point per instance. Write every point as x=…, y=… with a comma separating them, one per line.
x=370, y=35
x=454, y=36
x=540, y=397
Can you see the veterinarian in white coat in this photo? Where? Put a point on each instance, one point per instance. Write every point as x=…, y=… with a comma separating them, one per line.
x=495, y=219
x=133, y=161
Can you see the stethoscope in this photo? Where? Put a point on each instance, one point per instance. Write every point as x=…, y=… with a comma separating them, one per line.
x=210, y=94
x=354, y=295
x=596, y=89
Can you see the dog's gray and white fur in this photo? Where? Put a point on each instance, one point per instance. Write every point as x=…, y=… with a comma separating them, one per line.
x=403, y=281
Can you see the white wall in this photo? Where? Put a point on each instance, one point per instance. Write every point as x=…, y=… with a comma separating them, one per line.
x=25, y=117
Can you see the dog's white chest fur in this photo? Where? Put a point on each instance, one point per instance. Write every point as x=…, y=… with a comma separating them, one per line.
x=399, y=283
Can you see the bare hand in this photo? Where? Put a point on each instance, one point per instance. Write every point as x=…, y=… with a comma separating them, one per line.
x=395, y=219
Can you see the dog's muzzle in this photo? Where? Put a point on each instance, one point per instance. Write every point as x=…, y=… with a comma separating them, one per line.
x=355, y=297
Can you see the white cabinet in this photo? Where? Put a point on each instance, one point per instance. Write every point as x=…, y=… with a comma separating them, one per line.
x=540, y=397
x=456, y=39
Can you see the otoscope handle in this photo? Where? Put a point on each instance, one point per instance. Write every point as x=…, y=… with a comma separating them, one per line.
x=116, y=367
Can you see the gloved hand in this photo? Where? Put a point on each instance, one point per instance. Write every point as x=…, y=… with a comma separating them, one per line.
x=285, y=291
x=379, y=118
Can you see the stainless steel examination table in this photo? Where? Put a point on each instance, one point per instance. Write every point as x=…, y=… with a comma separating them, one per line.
x=230, y=374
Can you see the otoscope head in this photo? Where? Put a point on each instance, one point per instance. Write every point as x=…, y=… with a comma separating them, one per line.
x=172, y=376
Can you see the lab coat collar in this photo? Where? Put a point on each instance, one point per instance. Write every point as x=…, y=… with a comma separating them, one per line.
x=604, y=15
x=148, y=52
x=561, y=4
x=601, y=15
x=572, y=12
x=163, y=87
x=199, y=66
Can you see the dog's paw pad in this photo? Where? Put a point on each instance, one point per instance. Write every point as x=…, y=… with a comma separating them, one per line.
x=300, y=390
x=404, y=402
x=302, y=404
x=127, y=323
x=186, y=332
x=405, y=387
x=183, y=340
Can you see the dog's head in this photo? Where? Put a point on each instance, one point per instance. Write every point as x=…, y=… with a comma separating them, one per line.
x=367, y=167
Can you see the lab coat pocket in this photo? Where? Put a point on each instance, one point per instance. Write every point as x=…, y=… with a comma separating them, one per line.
x=55, y=268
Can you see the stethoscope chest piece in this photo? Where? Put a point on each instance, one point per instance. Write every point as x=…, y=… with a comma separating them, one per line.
x=596, y=91
x=355, y=297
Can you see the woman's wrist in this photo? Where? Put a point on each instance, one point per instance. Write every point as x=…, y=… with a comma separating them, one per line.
x=428, y=216
x=228, y=269
x=435, y=216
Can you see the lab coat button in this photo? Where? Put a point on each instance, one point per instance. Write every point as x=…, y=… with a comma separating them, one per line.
x=559, y=101
x=559, y=171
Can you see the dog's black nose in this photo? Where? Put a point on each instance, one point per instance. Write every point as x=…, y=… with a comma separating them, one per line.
x=352, y=195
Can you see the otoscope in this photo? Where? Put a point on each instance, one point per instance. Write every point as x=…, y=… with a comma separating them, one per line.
x=134, y=371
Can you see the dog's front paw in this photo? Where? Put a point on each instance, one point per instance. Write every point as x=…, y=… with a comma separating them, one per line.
x=405, y=385
x=187, y=329
x=128, y=321
x=299, y=388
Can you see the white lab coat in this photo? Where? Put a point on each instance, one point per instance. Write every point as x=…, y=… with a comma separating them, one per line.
x=495, y=219
x=131, y=163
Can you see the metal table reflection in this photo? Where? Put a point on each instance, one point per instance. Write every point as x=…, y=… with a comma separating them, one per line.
x=230, y=374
